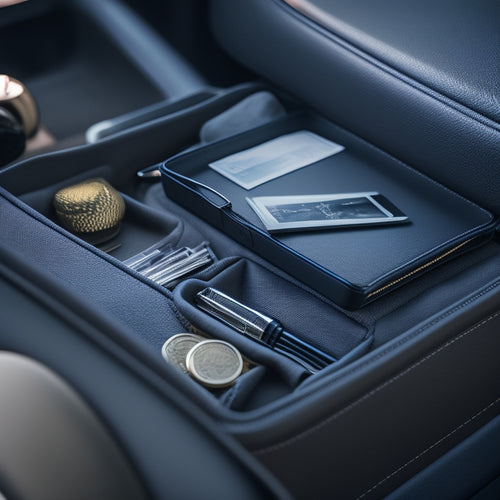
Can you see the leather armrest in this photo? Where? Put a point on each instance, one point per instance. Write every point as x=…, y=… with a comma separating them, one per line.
x=419, y=81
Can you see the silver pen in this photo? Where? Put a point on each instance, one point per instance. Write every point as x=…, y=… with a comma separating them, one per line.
x=261, y=328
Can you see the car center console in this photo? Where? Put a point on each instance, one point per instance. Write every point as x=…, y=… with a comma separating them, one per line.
x=366, y=392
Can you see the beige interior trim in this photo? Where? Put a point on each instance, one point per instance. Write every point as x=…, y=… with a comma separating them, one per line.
x=52, y=444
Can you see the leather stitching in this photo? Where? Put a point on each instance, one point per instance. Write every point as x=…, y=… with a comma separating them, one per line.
x=343, y=411
x=439, y=441
x=415, y=333
x=348, y=46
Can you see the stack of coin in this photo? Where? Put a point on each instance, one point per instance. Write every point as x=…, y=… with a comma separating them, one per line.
x=212, y=363
x=176, y=348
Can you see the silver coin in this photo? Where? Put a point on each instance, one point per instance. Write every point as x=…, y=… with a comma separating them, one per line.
x=175, y=349
x=214, y=363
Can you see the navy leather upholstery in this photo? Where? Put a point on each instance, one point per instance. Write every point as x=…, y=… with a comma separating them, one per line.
x=445, y=479
x=419, y=80
x=451, y=47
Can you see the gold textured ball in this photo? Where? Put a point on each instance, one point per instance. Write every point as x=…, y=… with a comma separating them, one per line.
x=92, y=209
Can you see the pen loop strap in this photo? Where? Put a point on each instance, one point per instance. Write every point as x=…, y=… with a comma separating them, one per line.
x=199, y=187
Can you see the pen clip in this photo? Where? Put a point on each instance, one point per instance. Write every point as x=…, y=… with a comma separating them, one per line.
x=234, y=314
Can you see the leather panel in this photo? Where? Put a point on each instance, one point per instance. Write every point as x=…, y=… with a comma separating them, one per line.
x=461, y=472
x=452, y=47
x=439, y=136
x=418, y=402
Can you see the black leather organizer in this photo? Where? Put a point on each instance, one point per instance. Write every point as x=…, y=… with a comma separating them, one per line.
x=306, y=281
x=351, y=266
x=321, y=270
x=276, y=398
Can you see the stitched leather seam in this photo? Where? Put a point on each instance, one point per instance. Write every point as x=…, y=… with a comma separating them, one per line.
x=386, y=68
x=437, y=443
x=363, y=55
x=423, y=328
x=320, y=425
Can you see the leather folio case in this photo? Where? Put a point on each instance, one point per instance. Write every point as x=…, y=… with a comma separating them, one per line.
x=350, y=266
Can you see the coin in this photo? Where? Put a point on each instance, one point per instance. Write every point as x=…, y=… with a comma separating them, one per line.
x=214, y=363
x=175, y=349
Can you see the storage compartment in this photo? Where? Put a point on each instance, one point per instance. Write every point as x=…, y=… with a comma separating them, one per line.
x=153, y=219
x=140, y=228
x=406, y=366
x=271, y=377
x=334, y=335
x=284, y=300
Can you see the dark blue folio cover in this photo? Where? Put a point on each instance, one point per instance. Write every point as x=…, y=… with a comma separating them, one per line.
x=350, y=266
